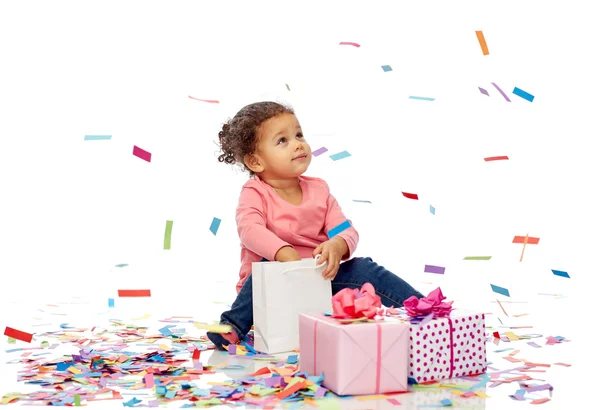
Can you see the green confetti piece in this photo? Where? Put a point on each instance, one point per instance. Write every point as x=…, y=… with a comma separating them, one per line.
x=77, y=400
x=168, y=230
x=12, y=340
x=288, y=87
x=477, y=258
x=203, y=403
x=45, y=344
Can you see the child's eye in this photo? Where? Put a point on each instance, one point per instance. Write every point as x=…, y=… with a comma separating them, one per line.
x=282, y=139
x=299, y=135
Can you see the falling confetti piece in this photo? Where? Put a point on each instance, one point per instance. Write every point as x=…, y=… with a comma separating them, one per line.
x=121, y=265
x=140, y=153
x=348, y=43
x=340, y=155
x=413, y=97
x=500, y=290
x=386, y=68
x=525, y=240
x=477, y=258
x=97, y=137
x=503, y=157
x=501, y=92
x=523, y=94
x=134, y=293
x=319, y=151
x=435, y=269
x=111, y=303
x=432, y=209
x=208, y=101
x=362, y=200
x=482, y=43
x=214, y=226
x=338, y=229
x=410, y=196
x=17, y=334
x=561, y=273
x=168, y=230
x=483, y=91
x=394, y=401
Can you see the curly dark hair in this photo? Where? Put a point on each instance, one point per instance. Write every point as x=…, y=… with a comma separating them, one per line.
x=238, y=136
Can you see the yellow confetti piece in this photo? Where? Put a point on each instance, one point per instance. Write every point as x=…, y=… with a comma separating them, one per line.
x=377, y=397
x=482, y=395
x=511, y=336
x=146, y=316
x=163, y=346
x=74, y=370
x=457, y=392
x=213, y=328
x=220, y=383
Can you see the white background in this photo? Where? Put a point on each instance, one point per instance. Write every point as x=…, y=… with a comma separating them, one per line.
x=72, y=209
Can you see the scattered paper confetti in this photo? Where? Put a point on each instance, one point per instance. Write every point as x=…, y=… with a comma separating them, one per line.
x=503, y=157
x=140, y=153
x=121, y=265
x=18, y=334
x=394, y=401
x=361, y=200
x=483, y=91
x=413, y=97
x=288, y=87
x=348, y=43
x=111, y=302
x=525, y=240
x=338, y=229
x=97, y=137
x=340, y=155
x=410, y=196
x=477, y=258
x=214, y=226
x=319, y=151
x=500, y=290
x=435, y=269
x=386, y=68
x=523, y=94
x=134, y=293
x=168, y=230
x=501, y=92
x=560, y=273
x=482, y=43
x=432, y=209
x=208, y=101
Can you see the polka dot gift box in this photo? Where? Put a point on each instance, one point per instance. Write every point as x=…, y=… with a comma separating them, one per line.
x=443, y=343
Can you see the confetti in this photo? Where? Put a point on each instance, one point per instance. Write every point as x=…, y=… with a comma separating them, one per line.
x=319, y=151
x=168, y=230
x=17, y=334
x=560, y=273
x=413, y=97
x=435, y=269
x=501, y=92
x=97, y=137
x=338, y=229
x=525, y=240
x=503, y=157
x=410, y=196
x=361, y=200
x=523, y=94
x=208, y=101
x=477, y=258
x=483, y=91
x=348, y=43
x=134, y=293
x=432, y=209
x=386, y=68
x=214, y=226
x=111, y=303
x=394, y=401
x=482, y=43
x=500, y=290
x=121, y=265
x=140, y=153
x=288, y=87
x=340, y=155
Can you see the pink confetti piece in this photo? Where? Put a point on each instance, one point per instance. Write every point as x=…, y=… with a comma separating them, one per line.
x=349, y=43
x=208, y=101
x=140, y=153
x=394, y=401
x=501, y=92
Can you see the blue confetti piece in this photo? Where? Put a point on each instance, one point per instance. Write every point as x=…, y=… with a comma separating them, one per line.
x=432, y=209
x=132, y=402
x=340, y=155
x=386, y=68
x=171, y=394
x=161, y=390
x=523, y=94
x=165, y=331
x=292, y=359
x=561, y=273
x=338, y=229
x=61, y=367
x=121, y=265
x=446, y=402
x=214, y=226
x=97, y=137
x=414, y=97
x=111, y=303
x=500, y=290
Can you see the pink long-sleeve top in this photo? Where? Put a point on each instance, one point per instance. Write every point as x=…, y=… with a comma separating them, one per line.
x=266, y=222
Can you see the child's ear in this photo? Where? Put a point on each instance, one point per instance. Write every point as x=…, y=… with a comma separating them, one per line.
x=253, y=163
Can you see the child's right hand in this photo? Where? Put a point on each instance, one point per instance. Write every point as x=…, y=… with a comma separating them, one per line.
x=287, y=254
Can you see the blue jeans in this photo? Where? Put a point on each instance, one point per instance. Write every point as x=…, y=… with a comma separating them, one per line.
x=351, y=274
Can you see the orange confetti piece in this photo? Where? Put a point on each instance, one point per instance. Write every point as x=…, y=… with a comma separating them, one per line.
x=290, y=390
x=264, y=370
x=537, y=364
x=482, y=43
x=540, y=401
x=562, y=364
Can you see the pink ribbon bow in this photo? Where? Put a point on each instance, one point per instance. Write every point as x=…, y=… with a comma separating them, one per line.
x=353, y=303
x=432, y=303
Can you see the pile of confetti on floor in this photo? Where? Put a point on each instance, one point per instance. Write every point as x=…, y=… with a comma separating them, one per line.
x=109, y=365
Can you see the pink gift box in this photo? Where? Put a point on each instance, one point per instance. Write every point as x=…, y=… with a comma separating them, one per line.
x=444, y=348
x=358, y=358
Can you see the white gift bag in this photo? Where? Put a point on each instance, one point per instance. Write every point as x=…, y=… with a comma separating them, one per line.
x=280, y=292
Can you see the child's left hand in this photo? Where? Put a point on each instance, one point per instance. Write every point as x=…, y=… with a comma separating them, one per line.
x=331, y=252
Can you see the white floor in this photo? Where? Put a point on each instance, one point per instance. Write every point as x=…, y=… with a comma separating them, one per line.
x=546, y=313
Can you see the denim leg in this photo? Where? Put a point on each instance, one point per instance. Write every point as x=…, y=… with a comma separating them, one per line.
x=392, y=289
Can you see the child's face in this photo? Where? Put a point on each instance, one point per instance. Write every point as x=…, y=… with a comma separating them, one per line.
x=282, y=150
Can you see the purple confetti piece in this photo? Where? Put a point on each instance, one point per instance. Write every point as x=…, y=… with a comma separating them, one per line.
x=427, y=318
x=198, y=366
x=482, y=91
x=501, y=92
x=539, y=388
x=319, y=151
x=534, y=344
x=435, y=269
x=320, y=392
x=232, y=349
x=153, y=403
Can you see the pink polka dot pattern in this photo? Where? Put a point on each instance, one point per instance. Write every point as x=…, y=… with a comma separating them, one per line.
x=457, y=342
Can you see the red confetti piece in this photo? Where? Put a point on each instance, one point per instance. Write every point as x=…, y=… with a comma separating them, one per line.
x=196, y=354
x=134, y=293
x=410, y=196
x=17, y=334
x=140, y=153
x=500, y=158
